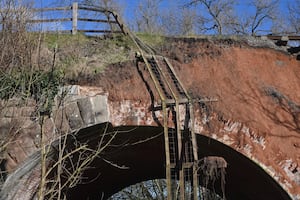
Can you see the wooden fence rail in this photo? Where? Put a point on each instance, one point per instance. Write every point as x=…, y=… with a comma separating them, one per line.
x=112, y=19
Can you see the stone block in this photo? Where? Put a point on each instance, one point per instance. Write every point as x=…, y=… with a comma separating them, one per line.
x=297, y=177
x=5, y=122
x=30, y=102
x=5, y=128
x=73, y=116
x=61, y=122
x=27, y=111
x=14, y=102
x=18, y=102
x=10, y=112
x=25, y=122
x=34, y=130
x=100, y=108
x=86, y=110
x=69, y=90
x=49, y=128
x=67, y=94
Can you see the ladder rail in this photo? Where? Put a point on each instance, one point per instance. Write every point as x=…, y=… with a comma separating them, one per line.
x=165, y=117
x=178, y=129
x=144, y=48
x=191, y=128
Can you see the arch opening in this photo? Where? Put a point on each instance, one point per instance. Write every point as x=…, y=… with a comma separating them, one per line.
x=137, y=155
x=157, y=190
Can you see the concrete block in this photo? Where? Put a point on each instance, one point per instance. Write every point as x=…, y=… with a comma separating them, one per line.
x=69, y=90
x=61, y=122
x=100, y=108
x=67, y=94
x=73, y=116
x=86, y=110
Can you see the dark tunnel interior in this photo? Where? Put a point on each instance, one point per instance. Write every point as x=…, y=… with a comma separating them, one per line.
x=137, y=154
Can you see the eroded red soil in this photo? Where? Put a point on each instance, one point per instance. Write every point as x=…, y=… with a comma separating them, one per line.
x=256, y=86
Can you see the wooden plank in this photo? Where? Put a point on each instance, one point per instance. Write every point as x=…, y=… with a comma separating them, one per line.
x=98, y=9
x=49, y=20
x=62, y=31
x=74, y=16
x=97, y=31
x=280, y=37
x=171, y=102
x=184, y=165
x=51, y=9
x=97, y=20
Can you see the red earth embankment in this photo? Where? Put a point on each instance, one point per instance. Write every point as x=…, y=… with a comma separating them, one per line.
x=258, y=87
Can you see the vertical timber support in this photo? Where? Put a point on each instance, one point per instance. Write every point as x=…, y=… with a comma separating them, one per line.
x=180, y=153
x=195, y=152
x=167, y=151
x=74, y=17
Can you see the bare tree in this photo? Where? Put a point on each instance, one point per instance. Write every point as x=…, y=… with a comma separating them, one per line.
x=187, y=23
x=107, y=4
x=265, y=11
x=148, y=16
x=179, y=21
x=218, y=14
x=258, y=18
x=294, y=16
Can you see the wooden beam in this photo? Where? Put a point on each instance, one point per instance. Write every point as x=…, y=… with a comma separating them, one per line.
x=49, y=20
x=97, y=20
x=51, y=9
x=74, y=17
x=280, y=37
x=98, y=31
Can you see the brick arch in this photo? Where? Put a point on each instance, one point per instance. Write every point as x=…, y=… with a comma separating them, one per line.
x=140, y=149
x=145, y=161
x=87, y=112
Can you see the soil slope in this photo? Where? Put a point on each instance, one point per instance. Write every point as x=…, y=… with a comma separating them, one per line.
x=258, y=87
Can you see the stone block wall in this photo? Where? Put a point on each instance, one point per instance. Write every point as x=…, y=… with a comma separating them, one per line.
x=20, y=126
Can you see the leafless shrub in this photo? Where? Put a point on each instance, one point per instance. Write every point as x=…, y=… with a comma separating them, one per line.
x=212, y=168
x=17, y=45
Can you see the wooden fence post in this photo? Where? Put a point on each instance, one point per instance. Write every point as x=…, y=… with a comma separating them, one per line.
x=74, y=18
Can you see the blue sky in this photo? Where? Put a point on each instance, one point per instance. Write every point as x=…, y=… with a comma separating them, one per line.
x=130, y=6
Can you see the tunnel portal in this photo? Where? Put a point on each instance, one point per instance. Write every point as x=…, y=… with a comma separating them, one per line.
x=137, y=154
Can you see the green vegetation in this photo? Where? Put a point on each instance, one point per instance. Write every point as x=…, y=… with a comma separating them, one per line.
x=79, y=55
x=65, y=56
x=151, y=39
x=42, y=86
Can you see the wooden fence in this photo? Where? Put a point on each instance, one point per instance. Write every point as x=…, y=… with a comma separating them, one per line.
x=108, y=17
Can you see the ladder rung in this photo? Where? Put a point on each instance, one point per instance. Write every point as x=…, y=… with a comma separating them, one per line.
x=172, y=101
x=184, y=165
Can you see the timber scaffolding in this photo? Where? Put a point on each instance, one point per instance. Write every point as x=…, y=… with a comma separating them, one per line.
x=181, y=149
